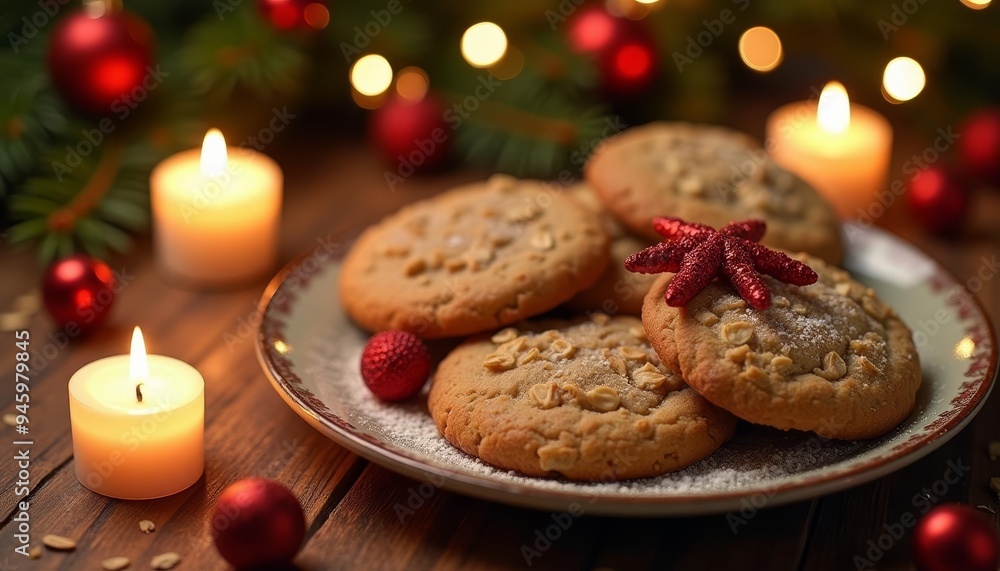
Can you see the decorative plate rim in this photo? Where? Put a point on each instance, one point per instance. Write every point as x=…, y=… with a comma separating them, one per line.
x=287, y=384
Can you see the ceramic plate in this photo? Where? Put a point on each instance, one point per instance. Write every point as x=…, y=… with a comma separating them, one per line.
x=310, y=351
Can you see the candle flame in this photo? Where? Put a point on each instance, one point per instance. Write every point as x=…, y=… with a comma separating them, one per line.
x=834, y=112
x=214, y=157
x=138, y=365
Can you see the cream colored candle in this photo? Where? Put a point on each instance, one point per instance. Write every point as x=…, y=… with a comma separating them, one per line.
x=842, y=149
x=216, y=213
x=138, y=424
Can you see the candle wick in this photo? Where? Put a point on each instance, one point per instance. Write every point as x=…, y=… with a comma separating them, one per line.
x=138, y=392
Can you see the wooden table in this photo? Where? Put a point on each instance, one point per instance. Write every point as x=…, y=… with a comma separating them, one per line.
x=350, y=502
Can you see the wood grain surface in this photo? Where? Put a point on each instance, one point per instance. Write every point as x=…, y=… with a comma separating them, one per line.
x=349, y=502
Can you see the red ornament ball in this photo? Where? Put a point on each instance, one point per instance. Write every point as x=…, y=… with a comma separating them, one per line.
x=78, y=290
x=955, y=536
x=258, y=523
x=395, y=365
x=291, y=14
x=938, y=199
x=593, y=30
x=979, y=144
x=98, y=64
x=413, y=135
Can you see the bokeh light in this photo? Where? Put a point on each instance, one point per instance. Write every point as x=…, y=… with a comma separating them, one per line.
x=593, y=30
x=903, y=79
x=483, y=44
x=371, y=75
x=976, y=4
x=412, y=83
x=760, y=49
x=633, y=61
x=508, y=67
x=834, y=110
x=316, y=15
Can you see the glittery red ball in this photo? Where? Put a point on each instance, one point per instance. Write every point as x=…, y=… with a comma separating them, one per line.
x=395, y=365
x=78, y=292
x=258, y=524
x=955, y=536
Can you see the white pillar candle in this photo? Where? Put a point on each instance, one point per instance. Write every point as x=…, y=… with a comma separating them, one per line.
x=216, y=213
x=138, y=424
x=840, y=148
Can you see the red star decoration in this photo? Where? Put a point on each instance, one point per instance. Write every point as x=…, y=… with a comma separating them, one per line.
x=698, y=253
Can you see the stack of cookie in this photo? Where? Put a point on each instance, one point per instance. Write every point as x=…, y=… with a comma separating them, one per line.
x=599, y=394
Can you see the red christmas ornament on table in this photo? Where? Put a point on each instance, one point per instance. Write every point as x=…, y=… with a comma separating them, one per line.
x=413, y=135
x=395, y=365
x=258, y=523
x=979, y=144
x=938, y=199
x=291, y=14
x=78, y=290
x=623, y=48
x=98, y=59
x=952, y=537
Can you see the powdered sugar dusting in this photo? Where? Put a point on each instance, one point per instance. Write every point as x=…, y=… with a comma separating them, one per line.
x=756, y=460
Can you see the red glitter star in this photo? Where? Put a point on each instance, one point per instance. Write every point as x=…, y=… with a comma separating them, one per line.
x=698, y=253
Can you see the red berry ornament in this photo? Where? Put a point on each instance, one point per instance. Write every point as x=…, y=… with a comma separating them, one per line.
x=938, y=199
x=979, y=144
x=78, y=290
x=395, y=365
x=624, y=49
x=258, y=523
x=412, y=135
x=98, y=62
x=952, y=537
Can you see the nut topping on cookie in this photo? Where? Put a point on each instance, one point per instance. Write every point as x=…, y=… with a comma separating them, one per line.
x=834, y=367
x=698, y=253
x=603, y=399
x=648, y=377
x=737, y=333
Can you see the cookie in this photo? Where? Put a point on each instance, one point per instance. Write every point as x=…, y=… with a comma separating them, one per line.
x=830, y=357
x=710, y=175
x=617, y=290
x=475, y=258
x=587, y=400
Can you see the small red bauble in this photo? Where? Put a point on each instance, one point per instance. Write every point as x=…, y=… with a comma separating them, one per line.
x=979, y=144
x=78, y=290
x=938, y=199
x=290, y=14
x=955, y=536
x=413, y=135
x=395, y=365
x=98, y=64
x=258, y=523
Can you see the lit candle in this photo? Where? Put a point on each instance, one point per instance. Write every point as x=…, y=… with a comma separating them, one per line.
x=216, y=213
x=138, y=424
x=840, y=148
